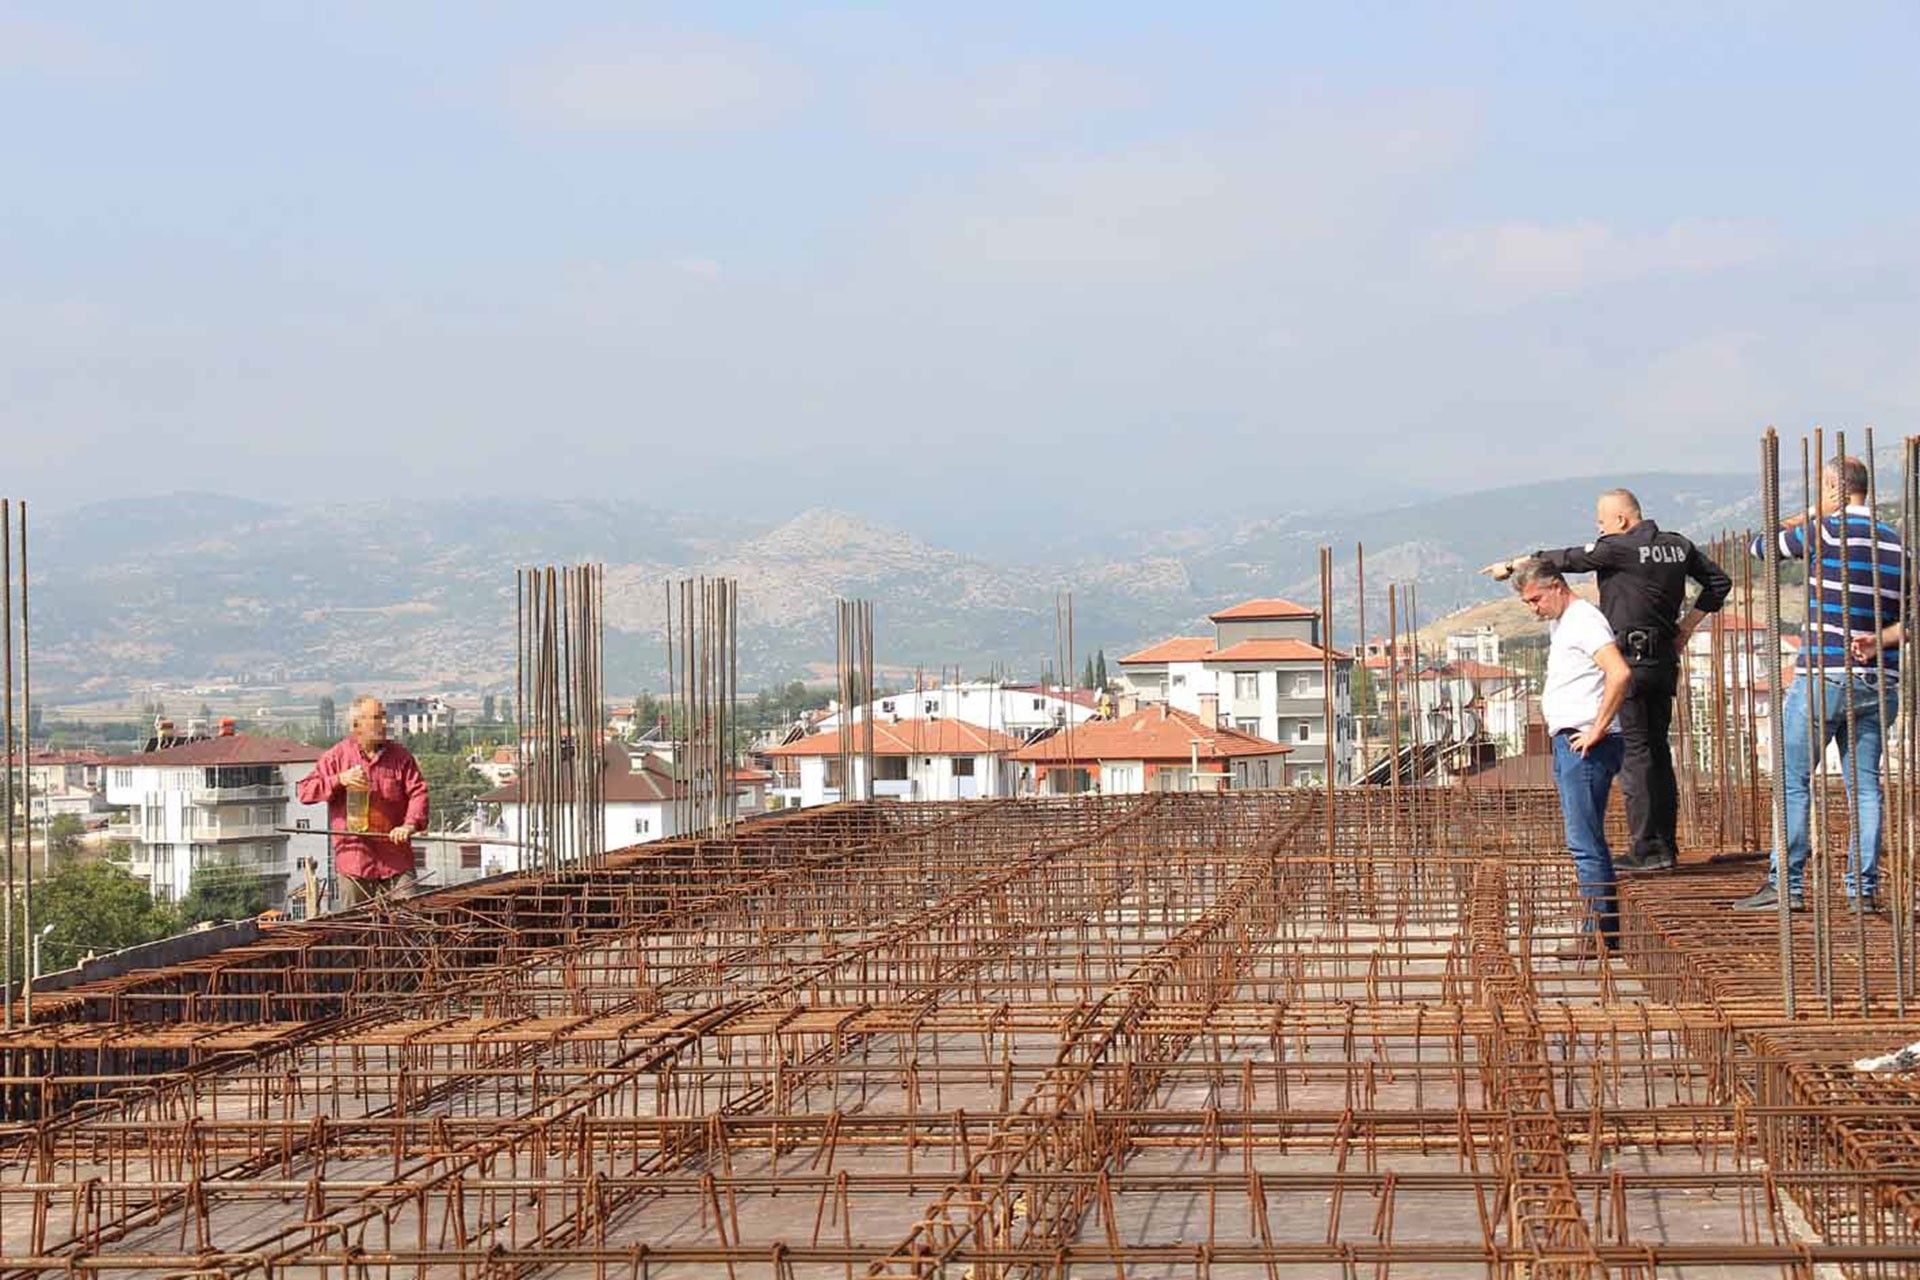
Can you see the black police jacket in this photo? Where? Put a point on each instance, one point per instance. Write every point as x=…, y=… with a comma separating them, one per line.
x=1643, y=586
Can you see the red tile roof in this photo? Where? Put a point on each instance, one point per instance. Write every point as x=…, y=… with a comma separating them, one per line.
x=647, y=782
x=1262, y=610
x=66, y=757
x=1157, y=733
x=1178, y=649
x=908, y=738
x=1272, y=650
x=233, y=748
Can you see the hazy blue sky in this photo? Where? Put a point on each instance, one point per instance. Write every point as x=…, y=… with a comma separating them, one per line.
x=1078, y=263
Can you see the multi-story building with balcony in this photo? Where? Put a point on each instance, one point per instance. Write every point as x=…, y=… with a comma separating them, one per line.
x=419, y=717
x=914, y=760
x=1263, y=673
x=1019, y=711
x=217, y=801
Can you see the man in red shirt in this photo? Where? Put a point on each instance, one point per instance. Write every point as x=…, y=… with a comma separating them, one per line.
x=376, y=800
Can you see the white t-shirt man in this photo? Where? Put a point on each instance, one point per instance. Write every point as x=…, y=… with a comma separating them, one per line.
x=1575, y=683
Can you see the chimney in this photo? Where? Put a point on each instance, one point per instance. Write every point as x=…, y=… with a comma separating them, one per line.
x=1210, y=710
x=226, y=726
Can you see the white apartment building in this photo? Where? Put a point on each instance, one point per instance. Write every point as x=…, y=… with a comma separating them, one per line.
x=1159, y=748
x=916, y=760
x=1465, y=699
x=1482, y=645
x=62, y=783
x=213, y=801
x=639, y=793
x=417, y=717
x=1020, y=711
x=1263, y=673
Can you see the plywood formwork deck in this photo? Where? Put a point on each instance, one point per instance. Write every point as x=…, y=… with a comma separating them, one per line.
x=1241, y=1035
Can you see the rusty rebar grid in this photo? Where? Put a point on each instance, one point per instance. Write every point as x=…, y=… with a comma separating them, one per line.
x=1165, y=1035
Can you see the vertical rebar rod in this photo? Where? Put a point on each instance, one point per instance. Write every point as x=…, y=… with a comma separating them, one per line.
x=1890, y=789
x=1856, y=843
x=1329, y=725
x=1360, y=661
x=1813, y=648
x=6, y=715
x=1770, y=511
x=28, y=950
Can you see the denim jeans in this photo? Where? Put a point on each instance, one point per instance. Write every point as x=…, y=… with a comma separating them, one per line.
x=1584, y=783
x=1874, y=708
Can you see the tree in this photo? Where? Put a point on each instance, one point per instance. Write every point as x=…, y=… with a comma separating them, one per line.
x=452, y=786
x=63, y=836
x=204, y=714
x=1100, y=670
x=219, y=892
x=92, y=906
x=1086, y=677
x=1365, y=702
x=329, y=715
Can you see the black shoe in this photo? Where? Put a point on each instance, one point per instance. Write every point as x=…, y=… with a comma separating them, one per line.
x=1871, y=904
x=1767, y=898
x=1629, y=865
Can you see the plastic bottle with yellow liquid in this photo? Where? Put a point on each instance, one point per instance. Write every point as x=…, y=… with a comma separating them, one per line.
x=357, y=803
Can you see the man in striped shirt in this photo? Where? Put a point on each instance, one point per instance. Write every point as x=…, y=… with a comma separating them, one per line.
x=1847, y=675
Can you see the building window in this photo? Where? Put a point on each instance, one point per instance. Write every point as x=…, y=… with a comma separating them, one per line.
x=1039, y=704
x=1306, y=731
x=306, y=824
x=470, y=856
x=931, y=707
x=1248, y=726
x=1303, y=686
x=641, y=826
x=963, y=766
x=123, y=777
x=1246, y=685
x=890, y=769
x=887, y=706
x=1179, y=682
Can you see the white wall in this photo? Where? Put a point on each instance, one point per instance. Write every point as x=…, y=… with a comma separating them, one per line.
x=928, y=778
x=1017, y=712
x=624, y=824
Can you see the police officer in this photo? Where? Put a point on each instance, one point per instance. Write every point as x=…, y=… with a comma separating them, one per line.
x=1643, y=572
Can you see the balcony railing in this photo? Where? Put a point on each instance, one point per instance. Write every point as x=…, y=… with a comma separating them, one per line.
x=234, y=831
x=235, y=795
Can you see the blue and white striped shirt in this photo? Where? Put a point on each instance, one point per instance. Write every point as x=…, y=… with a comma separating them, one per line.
x=1847, y=601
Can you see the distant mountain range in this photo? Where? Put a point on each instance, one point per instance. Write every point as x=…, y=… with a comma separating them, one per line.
x=421, y=593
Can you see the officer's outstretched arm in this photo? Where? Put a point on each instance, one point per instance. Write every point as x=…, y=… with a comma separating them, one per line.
x=1588, y=559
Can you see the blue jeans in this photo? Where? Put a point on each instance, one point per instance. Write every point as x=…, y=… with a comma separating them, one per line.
x=1874, y=708
x=1584, y=783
